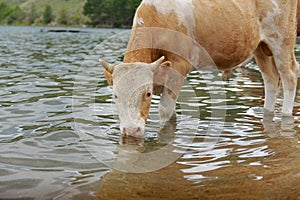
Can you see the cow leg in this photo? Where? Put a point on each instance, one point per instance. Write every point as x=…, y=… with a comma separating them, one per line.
x=169, y=96
x=266, y=62
x=289, y=75
x=282, y=66
x=166, y=107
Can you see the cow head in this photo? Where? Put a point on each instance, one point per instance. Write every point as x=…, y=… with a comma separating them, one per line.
x=133, y=87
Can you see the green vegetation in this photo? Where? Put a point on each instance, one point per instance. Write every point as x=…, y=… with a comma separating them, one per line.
x=115, y=13
x=5, y=11
x=96, y=13
x=48, y=15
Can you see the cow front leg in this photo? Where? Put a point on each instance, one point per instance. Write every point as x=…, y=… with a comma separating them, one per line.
x=169, y=97
x=167, y=106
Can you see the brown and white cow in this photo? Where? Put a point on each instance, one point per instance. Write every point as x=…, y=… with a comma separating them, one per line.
x=230, y=31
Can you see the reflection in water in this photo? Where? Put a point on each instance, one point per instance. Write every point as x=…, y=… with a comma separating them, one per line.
x=59, y=130
x=147, y=156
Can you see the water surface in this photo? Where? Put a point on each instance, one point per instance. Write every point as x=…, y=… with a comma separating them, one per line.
x=60, y=140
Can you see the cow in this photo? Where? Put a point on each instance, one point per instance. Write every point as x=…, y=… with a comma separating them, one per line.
x=162, y=50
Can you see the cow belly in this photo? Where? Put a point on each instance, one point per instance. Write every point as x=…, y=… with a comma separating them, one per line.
x=230, y=52
x=228, y=31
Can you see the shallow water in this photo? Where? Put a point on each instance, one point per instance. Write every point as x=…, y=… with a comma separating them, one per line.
x=59, y=131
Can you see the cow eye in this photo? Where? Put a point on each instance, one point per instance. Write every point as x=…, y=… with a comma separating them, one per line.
x=148, y=94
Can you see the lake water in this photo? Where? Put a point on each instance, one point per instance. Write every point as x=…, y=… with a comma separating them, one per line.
x=59, y=132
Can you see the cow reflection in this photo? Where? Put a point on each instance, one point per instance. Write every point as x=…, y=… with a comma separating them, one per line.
x=284, y=126
x=139, y=155
x=165, y=135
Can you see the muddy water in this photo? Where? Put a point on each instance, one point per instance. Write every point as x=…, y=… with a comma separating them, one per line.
x=60, y=140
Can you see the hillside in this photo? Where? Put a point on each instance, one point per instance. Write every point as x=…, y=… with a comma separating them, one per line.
x=66, y=12
x=96, y=13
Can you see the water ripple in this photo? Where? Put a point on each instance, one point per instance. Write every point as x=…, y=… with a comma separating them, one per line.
x=57, y=116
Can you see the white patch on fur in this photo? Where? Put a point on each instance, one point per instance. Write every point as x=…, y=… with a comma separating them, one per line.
x=288, y=103
x=270, y=96
x=270, y=33
x=184, y=9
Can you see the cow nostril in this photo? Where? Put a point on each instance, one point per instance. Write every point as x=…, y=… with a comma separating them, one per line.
x=132, y=131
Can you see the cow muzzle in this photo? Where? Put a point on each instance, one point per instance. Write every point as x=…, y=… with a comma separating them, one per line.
x=133, y=131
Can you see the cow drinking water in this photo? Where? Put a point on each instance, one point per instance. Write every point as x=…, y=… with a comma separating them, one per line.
x=164, y=43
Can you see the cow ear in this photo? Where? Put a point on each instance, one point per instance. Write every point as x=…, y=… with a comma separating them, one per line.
x=108, y=70
x=160, y=76
x=166, y=65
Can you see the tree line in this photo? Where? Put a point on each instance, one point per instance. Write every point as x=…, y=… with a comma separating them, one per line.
x=115, y=13
x=96, y=13
x=16, y=15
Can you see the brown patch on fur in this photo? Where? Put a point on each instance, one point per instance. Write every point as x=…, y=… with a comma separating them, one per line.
x=152, y=18
x=228, y=34
x=146, y=102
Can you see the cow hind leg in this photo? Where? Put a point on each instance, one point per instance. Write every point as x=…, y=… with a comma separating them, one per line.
x=289, y=75
x=270, y=74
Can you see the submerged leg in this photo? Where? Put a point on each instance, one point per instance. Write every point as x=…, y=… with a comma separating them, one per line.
x=166, y=107
x=289, y=75
x=168, y=101
x=179, y=68
x=265, y=60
